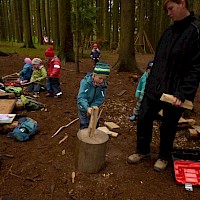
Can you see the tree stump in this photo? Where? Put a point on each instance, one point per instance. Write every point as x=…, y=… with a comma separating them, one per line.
x=91, y=147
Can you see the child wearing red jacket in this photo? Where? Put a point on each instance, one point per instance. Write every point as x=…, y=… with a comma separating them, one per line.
x=53, y=74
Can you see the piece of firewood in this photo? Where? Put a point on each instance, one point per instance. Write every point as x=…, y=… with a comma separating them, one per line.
x=197, y=128
x=62, y=140
x=169, y=98
x=93, y=121
x=111, y=125
x=192, y=134
x=73, y=176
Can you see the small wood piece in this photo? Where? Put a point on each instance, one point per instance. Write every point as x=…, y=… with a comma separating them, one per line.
x=104, y=129
x=192, y=134
x=7, y=105
x=169, y=98
x=197, y=128
x=61, y=141
x=191, y=122
x=107, y=131
x=93, y=121
x=113, y=134
x=121, y=93
x=73, y=176
x=182, y=120
x=111, y=125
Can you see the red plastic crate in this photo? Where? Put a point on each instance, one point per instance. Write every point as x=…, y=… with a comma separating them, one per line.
x=187, y=172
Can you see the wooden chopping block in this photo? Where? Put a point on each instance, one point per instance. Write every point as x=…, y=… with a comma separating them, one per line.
x=169, y=98
x=91, y=147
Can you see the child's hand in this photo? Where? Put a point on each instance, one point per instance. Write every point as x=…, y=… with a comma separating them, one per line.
x=89, y=111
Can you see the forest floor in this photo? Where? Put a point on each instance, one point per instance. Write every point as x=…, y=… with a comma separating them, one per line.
x=40, y=171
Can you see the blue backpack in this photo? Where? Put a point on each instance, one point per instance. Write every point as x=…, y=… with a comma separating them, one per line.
x=26, y=128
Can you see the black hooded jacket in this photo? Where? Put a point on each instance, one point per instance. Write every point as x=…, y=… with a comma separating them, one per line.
x=176, y=68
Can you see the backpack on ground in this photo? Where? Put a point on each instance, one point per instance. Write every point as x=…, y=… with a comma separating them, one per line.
x=26, y=128
x=16, y=90
x=30, y=103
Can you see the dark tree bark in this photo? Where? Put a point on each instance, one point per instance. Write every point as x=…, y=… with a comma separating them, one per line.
x=55, y=24
x=66, y=52
x=38, y=18
x=126, y=60
x=28, y=43
x=115, y=37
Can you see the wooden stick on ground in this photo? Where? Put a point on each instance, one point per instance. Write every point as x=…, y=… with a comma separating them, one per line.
x=65, y=126
x=3, y=77
x=64, y=138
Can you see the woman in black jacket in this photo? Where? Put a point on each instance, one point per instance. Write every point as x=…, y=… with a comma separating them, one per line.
x=176, y=71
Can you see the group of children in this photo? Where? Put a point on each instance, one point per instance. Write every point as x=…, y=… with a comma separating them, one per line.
x=35, y=75
x=92, y=89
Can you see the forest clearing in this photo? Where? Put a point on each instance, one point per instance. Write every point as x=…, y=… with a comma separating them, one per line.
x=41, y=168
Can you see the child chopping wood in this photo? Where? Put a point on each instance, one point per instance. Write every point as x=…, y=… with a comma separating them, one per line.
x=92, y=92
x=140, y=90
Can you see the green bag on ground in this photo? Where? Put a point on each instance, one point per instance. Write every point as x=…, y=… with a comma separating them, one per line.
x=16, y=90
x=31, y=104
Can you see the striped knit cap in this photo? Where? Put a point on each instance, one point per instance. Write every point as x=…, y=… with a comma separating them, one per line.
x=102, y=68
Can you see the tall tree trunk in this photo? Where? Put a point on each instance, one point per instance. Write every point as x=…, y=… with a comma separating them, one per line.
x=115, y=36
x=5, y=19
x=126, y=60
x=38, y=18
x=55, y=23
x=106, y=24
x=77, y=35
x=28, y=43
x=47, y=8
x=43, y=18
x=20, y=20
x=66, y=52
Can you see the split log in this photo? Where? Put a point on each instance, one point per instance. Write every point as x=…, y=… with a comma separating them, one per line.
x=111, y=125
x=192, y=134
x=169, y=98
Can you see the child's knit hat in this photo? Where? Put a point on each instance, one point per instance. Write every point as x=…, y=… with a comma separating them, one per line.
x=28, y=60
x=49, y=52
x=36, y=61
x=102, y=68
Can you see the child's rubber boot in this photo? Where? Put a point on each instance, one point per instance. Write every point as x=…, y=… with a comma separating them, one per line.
x=132, y=118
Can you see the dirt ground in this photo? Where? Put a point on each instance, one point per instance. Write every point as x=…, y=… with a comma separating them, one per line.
x=39, y=171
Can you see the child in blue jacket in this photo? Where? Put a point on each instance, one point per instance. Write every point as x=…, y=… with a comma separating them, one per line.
x=92, y=92
x=26, y=72
x=140, y=90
